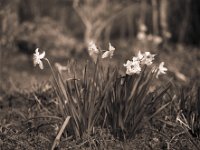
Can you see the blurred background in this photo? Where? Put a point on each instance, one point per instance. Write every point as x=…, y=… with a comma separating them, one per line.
x=62, y=28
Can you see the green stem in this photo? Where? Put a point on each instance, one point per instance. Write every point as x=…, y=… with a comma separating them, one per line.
x=54, y=76
x=56, y=81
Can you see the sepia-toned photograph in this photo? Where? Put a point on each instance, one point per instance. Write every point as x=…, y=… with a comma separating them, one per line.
x=99, y=74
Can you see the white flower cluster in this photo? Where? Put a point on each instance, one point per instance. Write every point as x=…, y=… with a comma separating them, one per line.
x=134, y=66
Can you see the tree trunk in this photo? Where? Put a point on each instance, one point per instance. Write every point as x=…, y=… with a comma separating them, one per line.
x=155, y=17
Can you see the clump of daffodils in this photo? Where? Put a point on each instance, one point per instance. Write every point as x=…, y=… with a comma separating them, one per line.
x=135, y=65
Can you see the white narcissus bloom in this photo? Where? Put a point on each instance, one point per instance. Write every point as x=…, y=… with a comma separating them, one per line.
x=147, y=58
x=109, y=53
x=37, y=58
x=92, y=49
x=132, y=67
x=161, y=69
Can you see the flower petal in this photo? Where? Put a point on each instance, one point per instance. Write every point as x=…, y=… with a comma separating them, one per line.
x=41, y=56
x=111, y=48
x=106, y=54
x=161, y=69
x=41, y=64
x=35, y=62
x=37, y=51
x=140, y=56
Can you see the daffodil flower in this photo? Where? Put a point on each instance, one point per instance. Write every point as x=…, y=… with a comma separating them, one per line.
x=37, y=58
x=132, y=67
x=147, y=58
x=109, y=53
x=93, y=50
x=161, y=69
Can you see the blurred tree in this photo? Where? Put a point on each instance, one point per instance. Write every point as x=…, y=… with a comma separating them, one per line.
x=98, y=15
x=155, y=17
x=95, y=16
x=193, y=35
x=164, y=20
x=9, y=23
x=95, y=19
x=25, y=11
x=184, y=23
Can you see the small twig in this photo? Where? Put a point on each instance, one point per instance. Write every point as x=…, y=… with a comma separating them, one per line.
x=81, y=144
x=69, y=79
x=41, y=117
x=160, y=133
x=178, y=134
x=196, y=145
x=57, y=139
